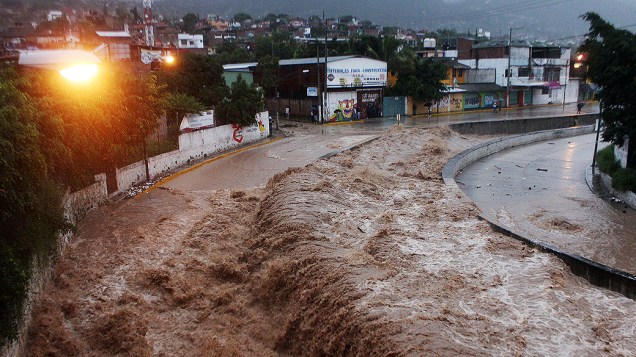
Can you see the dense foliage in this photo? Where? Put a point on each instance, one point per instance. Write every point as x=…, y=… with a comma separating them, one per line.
x=623, y=179
x=611, y=64
x=30, y=209
x=242, y=105
x=198, y=76
x=417, y=77
x=54, y=135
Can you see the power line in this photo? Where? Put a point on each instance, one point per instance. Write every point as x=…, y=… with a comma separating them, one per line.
x=583, y=35
x=503, y=10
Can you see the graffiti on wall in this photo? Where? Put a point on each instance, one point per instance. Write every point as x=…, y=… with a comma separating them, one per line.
x=456, y=104
x=472, y=101
x=344, y=111
x=442, y=103
x=489, y=99
x=239, y=132
x=237, y=135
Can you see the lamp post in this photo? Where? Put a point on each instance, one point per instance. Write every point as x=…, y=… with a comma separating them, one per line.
x=509, y=69
x=320, y=103
x=509, y=66
x=565, y=81
x=598, y=131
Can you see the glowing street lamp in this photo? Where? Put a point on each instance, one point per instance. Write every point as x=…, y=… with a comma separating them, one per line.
x=74, y=65
x=80, y=73
x=169, y=59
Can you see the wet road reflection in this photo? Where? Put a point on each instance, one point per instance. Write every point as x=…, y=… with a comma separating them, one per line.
x=540, y=191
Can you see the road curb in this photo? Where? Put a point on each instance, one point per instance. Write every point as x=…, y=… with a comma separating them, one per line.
x=202, y=163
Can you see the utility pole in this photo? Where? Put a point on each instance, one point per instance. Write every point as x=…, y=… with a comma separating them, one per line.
x=325, y=100
x=565, y=82
x=598, y=132
x=509, y=69
x=318, y=75
x=277, y=97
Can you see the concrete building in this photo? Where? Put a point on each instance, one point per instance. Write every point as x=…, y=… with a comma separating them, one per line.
x=346, y=87
x=189, y=41
x=115, y=45
x=529, y=73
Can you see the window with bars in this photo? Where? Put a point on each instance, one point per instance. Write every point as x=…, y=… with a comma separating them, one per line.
x=524, y=72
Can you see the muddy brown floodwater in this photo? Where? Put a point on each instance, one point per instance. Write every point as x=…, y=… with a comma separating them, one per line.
x=365, y=253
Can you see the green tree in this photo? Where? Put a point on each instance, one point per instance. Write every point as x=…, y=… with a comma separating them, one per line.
x=242, y=17
x=199, y=76
x=242, y=105
x=230, y=52
x=389, y=31
x=177, y=105
x=279, y=44
x=345, y=19
x=30, y=201
x=268, y=70
x=611, y=64
x=418, y=77
x=189, y=20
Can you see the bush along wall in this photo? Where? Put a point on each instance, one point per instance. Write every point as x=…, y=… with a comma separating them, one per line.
x=623, y=179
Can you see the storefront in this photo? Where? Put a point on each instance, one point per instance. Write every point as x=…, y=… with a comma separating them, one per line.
x=355, y=88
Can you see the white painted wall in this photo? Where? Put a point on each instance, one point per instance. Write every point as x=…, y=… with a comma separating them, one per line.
x=189, y=41
x=78, y=204
x=193, y=146
x=621, y=153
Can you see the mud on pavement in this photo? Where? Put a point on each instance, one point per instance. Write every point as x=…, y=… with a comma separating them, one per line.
x=366, y=253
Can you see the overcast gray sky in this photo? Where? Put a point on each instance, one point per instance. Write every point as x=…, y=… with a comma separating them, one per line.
x=550, y=19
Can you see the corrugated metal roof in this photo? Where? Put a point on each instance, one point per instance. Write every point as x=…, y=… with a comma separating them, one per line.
x=122, y=34
x=520, y=43
x=52, y=59
x=312, y=60
x=287, y=62
x=451, y=62
x=239, y=66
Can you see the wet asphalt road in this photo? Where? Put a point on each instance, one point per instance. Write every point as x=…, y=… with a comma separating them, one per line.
x=540, y=191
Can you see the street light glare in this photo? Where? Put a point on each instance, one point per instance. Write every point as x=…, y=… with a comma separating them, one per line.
x=169, y=59
x=80, y=73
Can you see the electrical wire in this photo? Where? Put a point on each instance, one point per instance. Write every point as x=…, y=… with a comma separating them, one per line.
x=502, y=10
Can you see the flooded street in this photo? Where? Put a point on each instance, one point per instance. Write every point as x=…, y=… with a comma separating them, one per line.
x=540, y=191
x=365, y=252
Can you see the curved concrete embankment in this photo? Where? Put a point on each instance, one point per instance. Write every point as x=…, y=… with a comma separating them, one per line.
x=597, y=274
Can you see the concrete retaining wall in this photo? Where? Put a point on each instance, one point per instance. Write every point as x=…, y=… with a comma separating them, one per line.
x=193, y=146
x=76, y=206
x=80, y=203
x=520, y=126
x=628, y=197
x=597, y=274
x=621, y=153
x=475, y=153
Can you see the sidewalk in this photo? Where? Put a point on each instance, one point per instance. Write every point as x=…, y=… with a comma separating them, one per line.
x=527, y=112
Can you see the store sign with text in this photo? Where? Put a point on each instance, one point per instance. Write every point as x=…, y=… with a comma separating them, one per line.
x=356, y=73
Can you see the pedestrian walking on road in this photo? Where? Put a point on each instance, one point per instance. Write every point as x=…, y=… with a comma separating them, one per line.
x=494, y=107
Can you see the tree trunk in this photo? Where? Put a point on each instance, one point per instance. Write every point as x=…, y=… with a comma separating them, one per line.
x=146, y=160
